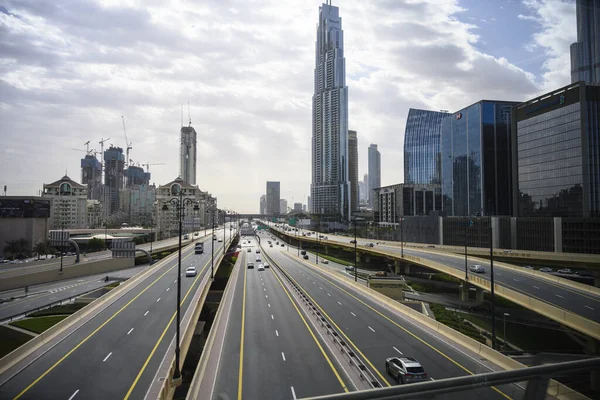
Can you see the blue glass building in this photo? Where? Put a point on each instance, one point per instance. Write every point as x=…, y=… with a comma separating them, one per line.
x=422, y=159
x=476, y=160
x=585, y=52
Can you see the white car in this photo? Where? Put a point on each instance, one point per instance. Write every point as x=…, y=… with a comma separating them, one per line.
x=191, y=271
x=261, y=267
x=477, y=268
x=258, y=259
x=266, y=265
x=220, y=240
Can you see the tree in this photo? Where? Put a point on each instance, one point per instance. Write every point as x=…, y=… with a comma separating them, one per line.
x=139, y=240
x=12, y=248
x=95, y=244
x=19, y=248
x=41, y=248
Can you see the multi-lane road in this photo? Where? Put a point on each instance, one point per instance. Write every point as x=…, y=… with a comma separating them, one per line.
x=565, y=297
x=273, y=350
x=116, y=353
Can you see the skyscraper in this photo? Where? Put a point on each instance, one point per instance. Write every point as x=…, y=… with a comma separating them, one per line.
x=330, y=178
x=283, y=206
x=187, y=155
x=585, y=52
x=374, y=171
x=353, y=169
x=273, y=197
x=366, y=188
x=91, y=175
x=114, y=162
x=263, y=204
x=422, y=157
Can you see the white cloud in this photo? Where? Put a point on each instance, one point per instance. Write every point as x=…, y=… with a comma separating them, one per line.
x=70, y=68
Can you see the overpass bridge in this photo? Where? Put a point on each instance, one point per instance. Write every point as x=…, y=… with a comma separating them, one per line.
x=572, y=304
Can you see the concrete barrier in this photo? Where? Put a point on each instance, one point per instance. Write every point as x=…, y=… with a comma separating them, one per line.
x=28, y=348
x=555, y=389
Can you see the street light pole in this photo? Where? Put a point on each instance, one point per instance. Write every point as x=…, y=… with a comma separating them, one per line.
x=355, y=266
x=505, y=315
x=212, y=263
x=493, y=299
x=402, y=237
x=62, y=236
x=466, y=233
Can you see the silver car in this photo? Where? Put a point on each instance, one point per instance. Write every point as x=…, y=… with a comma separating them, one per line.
x=405, y=370
x=477, y=269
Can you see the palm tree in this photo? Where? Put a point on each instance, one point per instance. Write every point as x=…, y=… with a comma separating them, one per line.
x=41, y=248
x=11, y=247
x=24, y=247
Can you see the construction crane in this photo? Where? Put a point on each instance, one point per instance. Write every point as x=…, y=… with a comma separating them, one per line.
x=127, y=142
x=87, y=145
x=87, y=151
x=149, y=164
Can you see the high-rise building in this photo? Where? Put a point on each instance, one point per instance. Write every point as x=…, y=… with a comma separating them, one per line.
x=353, y=169
x=114, y=162
x=68, y=207
x=297, y=207
x=557, y=153
x=476, y=160
x=136, y=176
x=263, y=204
x=91, y=175
x=406, y=199
x=422, y=157
x=273, y=198
x=585, y=52
x=283, y=206
x=366, y=187
x=309, y=204
x=374, y=171
x=187, y=155
x=330, y=177
x=137, y=203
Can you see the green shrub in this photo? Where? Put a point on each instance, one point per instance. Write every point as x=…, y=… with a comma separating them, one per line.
x=39, y=324
x=58, y=310
x=456, y=322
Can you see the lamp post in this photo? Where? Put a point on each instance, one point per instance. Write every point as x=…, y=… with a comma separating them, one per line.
x=62, y=235
x=318, y=235
x=401, y=237
x=493, y=302
x=179, y=203
x=467, y=225
x=505, y=315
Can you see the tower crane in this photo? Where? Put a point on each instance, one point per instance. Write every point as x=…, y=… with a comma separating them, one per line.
x=127, y=142
x=149, y=164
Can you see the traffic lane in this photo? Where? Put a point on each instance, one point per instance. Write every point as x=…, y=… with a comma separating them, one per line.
x=586, y=305
x=297, y=344
x=378, y=338
x=67, y=347
x=226, y=384
x=50, y=293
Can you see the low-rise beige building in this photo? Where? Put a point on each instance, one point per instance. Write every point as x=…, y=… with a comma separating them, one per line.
x=68, y=207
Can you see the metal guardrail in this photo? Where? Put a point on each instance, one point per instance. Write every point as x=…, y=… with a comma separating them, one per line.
x=353, y=360
x=537, y=379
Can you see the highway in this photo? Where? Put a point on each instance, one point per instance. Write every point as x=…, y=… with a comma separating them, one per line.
x=116, y=353
x=280, y=354
x=585, y=304
x=376, y=332
x=50, y=293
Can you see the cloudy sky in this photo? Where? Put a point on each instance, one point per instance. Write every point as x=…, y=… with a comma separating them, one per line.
x=69, y=69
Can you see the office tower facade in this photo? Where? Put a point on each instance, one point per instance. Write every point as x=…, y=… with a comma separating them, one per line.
x=167, y=221
x=374, y=172
x=114, y=161
x=297, y=207
x=330, y=177
x=187, y=155
x=263, y=204
x=557, y=153
x=283, y=206
x=476, y=160
x=585, y=52
x=422, y=157
x=353, y=169
x=309, y=204
x=406, y=199
x=136, y=176
x=68, y=207
x=273, y=198
x=366, y=186
x=91, y=175
x=137, y=203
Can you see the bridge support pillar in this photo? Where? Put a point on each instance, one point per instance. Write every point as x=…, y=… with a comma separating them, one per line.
x=397, y=267
x=478, y=296
x=464, y=291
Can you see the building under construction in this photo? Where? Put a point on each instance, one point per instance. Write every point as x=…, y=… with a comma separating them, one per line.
x=114, y=165
x=91, y=175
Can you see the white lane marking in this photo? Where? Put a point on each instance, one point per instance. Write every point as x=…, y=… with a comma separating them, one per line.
x=397, y=350
x=339, y=303
x=283, y=356
x=130, y=331
x=352, y=313
x=589, y=308
x=146, y=313
x=267, y=296
x=328, y=294
x=372, y=329
x=276, y=332
x=269, y=304
x=272, y=317
x=264, y=289
x=431, y=378
x=168, y=289
x=516, y=280
x=157, y=300
x=75, y=394
x=263, y=284
x=558, y=295
x=106, y=358
x=175, y=281
x=535, y=287
x=291, y=387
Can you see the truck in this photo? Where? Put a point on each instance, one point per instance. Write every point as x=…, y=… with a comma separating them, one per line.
x=199, y=248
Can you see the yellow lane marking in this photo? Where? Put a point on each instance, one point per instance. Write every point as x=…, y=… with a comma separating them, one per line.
x=407, y=331
x=137, y=378
x=337, y=375
x=91, y=334
x=239, y=396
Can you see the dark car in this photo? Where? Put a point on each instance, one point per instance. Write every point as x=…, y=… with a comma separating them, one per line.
x=405, y=370
x=303, y=252
x=305, y=257
x=353, y=241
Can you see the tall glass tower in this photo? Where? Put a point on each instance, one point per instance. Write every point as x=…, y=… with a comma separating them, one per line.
x=188, y=154
x=330, y=175
x=422, y=157
x=374, y=172
x=585, y=52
